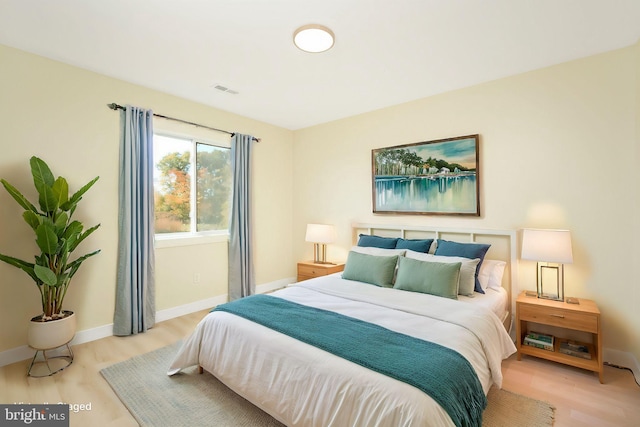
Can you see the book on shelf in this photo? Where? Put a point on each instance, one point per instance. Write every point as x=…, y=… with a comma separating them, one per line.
x=540, y=337
x=538, y=344
x=575, y=348
x=537, y=340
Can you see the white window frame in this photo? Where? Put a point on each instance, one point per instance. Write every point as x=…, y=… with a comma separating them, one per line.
x=191, y=237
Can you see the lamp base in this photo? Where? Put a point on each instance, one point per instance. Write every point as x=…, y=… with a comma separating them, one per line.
x=550, y=276
x=550, y=297
x=320, y=254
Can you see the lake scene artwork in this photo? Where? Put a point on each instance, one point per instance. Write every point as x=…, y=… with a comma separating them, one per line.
x=433, y=177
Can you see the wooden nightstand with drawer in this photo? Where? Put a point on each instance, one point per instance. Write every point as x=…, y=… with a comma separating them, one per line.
x=309, y=269
x=562, y=318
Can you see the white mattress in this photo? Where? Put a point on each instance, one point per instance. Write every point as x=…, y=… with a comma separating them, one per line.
x=301, y=385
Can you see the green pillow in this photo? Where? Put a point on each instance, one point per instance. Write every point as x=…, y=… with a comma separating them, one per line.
x=377, y=270
x=435, y=278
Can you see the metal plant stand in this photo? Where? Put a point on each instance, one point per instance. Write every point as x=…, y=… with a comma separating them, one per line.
x=53, y=364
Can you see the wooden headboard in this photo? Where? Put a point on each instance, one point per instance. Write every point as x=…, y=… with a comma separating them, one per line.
x=503, y=245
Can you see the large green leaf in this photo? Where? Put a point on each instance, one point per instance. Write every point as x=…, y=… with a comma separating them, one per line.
x=48, y=201
x=83, y=236
x=71, y=234
x=47, y=276
x=74, y=228
x=43, y=181
x=23, y=265
x=78, y=195
x=60, y=191
x=46, y=238
x=60, y=223
x=41, y=173
x=33, y=219
x=18, y=197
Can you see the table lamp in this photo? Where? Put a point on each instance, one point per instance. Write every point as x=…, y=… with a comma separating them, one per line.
x=320, y=235
x=551, y=249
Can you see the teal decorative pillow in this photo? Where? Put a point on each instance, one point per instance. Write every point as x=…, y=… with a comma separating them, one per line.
x=466, y=250
x=435, y=278
x=377, y=270
x=417, y=245
x=377, y=241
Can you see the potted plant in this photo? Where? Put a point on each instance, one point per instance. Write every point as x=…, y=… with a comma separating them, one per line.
x=57, y=236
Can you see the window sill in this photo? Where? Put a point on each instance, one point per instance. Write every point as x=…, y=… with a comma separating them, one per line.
x=189, y=240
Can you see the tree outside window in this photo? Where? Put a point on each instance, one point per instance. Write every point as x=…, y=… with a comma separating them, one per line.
x=181, y=207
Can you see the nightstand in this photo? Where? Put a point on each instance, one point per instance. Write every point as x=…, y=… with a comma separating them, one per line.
x=310, y=269
x=561, y=318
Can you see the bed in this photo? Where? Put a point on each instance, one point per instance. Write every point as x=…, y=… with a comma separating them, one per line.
x=264, y=348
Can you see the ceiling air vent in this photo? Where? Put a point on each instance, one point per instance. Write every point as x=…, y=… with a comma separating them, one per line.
x=225, y=89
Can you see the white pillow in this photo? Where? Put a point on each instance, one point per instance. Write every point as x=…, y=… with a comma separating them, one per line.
x=369, y=250
x=490, y=274
x=467, y=281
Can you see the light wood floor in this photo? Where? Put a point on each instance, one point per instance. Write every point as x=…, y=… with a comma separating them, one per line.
x=579, y=398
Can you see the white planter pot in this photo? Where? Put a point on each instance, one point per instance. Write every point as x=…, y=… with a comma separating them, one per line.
x=51, y=334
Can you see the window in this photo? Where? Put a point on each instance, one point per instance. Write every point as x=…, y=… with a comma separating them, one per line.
x=181, y=207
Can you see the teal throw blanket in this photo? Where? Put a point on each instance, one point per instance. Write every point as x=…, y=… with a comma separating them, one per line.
x=425, y=365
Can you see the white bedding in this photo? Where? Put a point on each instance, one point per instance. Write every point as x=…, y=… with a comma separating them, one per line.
x=301, y=385
x=496, y=300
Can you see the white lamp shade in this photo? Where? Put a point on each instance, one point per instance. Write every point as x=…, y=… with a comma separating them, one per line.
x=547, y=246
x=320, y=233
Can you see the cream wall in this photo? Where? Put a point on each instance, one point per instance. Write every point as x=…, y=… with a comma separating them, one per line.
x=58, y=112
x=555, y=152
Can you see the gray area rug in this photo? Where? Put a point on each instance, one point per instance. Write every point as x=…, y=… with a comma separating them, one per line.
x=191, y=399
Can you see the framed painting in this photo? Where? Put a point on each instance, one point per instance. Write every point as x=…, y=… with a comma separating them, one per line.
x=428, y=178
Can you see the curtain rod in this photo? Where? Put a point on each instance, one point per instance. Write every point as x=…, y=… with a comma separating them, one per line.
x=115, y=106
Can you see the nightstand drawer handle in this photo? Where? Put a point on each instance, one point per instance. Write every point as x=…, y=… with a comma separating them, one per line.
x=558, y=315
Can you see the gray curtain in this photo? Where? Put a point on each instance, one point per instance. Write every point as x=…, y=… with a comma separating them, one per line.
x=241, y=273
x=135, y=288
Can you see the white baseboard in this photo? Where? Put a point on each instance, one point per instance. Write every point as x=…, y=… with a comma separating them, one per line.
x=274, y=286
x=181, y=310
x=17, y=354
x=24, y=352
x=622, y=359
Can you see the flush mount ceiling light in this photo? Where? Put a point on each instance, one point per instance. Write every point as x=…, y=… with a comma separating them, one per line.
x=313, y=38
